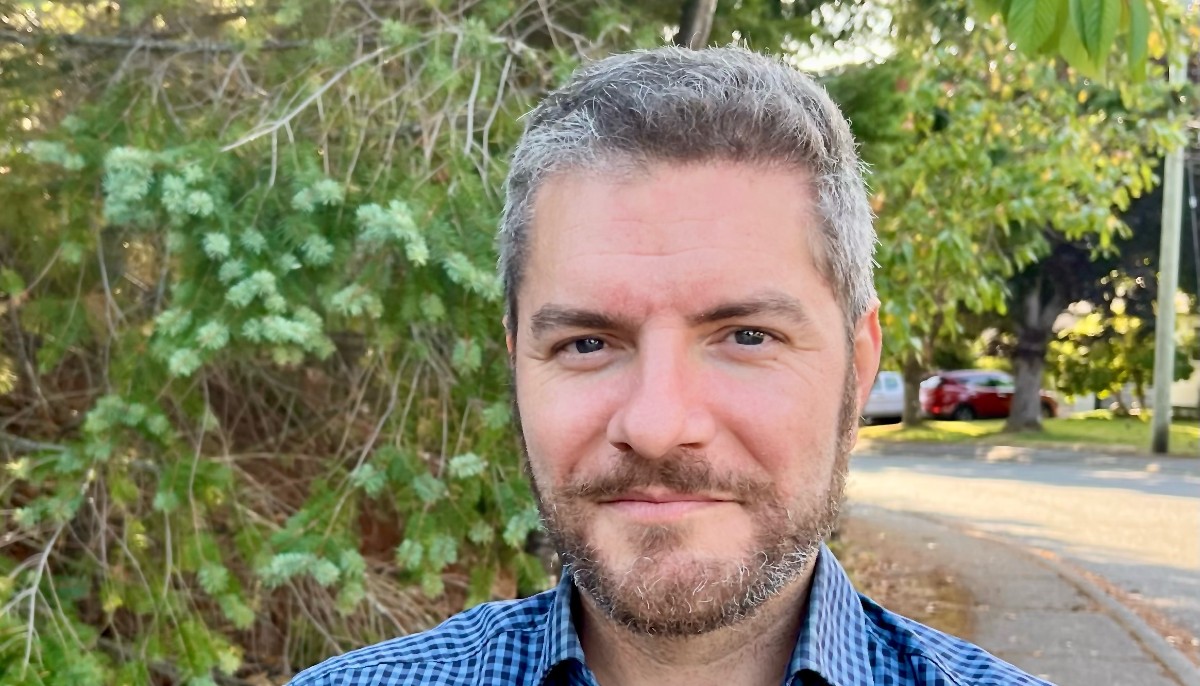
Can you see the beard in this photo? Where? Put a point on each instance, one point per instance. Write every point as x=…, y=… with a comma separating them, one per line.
x=695, y=597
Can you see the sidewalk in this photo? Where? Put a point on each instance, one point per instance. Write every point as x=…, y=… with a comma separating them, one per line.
x=1048, y=452
x=1035, y=614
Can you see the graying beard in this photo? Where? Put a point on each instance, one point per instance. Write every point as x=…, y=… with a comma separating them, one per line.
x=682, y=617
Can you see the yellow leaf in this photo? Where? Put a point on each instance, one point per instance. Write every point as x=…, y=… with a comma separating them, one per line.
x=111, y=601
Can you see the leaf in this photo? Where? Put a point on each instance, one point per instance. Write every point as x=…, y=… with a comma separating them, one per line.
x=432, y=308
x=429, y=488
x=442, y=551
x=1096, y=22
x=350, y=596
x=498, y=415
x=324, y=572
x=481, y=533
x=432, y=585
x=409, y=554
x=11, y=282
x=1139, y=39
x=370, y=479
x=1031, y=23
x=519, y=526
x=1070, y=46
x=467, y=356
x=214, y=579
x=466, y=466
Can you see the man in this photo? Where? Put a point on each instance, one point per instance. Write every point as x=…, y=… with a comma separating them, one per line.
x=686, y=251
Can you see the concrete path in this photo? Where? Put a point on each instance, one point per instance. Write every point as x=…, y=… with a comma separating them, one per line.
x=1123, y=528
x=1025, y=612
x=1133, y=521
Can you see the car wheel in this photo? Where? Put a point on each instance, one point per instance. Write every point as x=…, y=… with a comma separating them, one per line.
x=963, y=413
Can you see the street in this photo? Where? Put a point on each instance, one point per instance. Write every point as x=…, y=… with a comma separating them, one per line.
x=1133, y=521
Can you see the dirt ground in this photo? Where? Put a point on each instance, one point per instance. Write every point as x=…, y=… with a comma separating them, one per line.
x=903, y=580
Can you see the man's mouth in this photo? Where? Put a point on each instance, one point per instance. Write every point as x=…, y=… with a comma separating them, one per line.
x=661, y=504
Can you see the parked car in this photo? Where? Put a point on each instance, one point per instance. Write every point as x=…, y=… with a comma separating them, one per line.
x=887, y=398
x=973, y=393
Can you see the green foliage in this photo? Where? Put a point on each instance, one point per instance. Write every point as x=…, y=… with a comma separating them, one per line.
x=992, y=159
x=1085, y=32
x=1110, y=348
x=251, y=325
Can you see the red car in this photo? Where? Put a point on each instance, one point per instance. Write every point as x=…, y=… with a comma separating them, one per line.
x=973, y=394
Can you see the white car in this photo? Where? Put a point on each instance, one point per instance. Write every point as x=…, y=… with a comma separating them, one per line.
x=887, y=398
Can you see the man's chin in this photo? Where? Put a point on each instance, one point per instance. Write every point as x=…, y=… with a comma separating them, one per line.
x=675, y=595
x=673, y=603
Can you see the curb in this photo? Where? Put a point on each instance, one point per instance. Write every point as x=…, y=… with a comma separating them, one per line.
x=1171, y=659
x=868, y=446
x=1178, y=666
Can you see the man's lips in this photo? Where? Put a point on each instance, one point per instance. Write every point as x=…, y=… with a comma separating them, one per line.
x=661, y=506
x=663, y=497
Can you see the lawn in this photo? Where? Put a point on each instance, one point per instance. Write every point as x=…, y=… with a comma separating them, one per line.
x=1097, y=428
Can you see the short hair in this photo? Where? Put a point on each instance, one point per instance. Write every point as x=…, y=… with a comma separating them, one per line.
x=677, y=105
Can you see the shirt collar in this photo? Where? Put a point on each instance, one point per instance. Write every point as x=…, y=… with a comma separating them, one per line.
x=561, y=640
x=832, y=639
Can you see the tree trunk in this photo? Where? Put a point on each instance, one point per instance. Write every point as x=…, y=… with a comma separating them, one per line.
x=1122, y=409
x=1038, y=306
x=1029, y=362
x=695, y=23
x=912, y=390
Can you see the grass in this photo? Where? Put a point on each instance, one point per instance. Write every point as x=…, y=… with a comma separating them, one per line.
x=1098, y=428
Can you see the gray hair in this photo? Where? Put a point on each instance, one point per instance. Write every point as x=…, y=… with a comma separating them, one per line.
x=684, y=106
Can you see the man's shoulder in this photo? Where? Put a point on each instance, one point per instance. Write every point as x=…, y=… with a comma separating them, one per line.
x=938, y=657
x=455, y=651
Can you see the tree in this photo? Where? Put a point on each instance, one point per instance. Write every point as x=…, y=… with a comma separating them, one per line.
x=1119, y=284
x=1110, y=348
x=987, y=174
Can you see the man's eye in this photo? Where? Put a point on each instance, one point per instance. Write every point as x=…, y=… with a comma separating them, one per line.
x=749, y=337
x=583, y=346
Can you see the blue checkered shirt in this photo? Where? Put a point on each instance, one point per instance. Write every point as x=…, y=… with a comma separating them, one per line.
x=846, y=640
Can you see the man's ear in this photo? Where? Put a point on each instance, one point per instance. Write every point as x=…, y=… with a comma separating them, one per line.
x=868, y=344
x=508, y=337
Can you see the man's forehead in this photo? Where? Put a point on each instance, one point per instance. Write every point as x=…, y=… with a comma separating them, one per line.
x=620, y=170
x=725, y=194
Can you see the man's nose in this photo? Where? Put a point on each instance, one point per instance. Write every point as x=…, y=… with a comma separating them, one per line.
x=666, y=407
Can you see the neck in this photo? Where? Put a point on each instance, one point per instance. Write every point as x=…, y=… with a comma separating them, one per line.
x=756, y=650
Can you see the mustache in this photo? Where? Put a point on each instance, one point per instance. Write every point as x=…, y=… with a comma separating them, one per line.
x=685, y=472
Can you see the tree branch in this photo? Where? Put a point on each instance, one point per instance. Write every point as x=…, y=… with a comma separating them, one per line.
x=23, y=445
x=695, y=23
x=126, y=43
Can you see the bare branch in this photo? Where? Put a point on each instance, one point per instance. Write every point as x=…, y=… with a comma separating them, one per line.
x=283, y=121
x=471, y=109
x=695, y=24
x=137, y=43
x=23, y=445
x=43, y=562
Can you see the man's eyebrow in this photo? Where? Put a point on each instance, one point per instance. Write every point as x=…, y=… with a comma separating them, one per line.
x=552, y=317
x=771, y=303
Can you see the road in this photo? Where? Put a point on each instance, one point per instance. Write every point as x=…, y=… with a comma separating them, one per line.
x=1133, y=521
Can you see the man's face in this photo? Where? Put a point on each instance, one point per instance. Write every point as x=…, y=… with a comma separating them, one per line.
x=686, y=387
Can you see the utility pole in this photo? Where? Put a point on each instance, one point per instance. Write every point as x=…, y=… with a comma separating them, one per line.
x=1168, y=277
